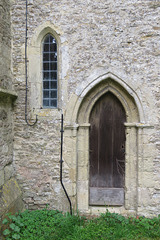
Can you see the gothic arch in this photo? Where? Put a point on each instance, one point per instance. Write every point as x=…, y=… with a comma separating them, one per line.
x=100, y=89
x=35, y=64
x=77, y=125
x=35, y=69
x=88, y=94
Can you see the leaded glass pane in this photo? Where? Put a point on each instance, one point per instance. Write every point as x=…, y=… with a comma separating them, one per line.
x=45, y=103
x=45, y=94
x=46, y=57
x=53, y=47
x=53, y=85
x=46, y=47
x=53, y=57
x=53, y=94
x=46, y=66
x=54, y=75
x=46, y=85
x=47, y=39
x=53, y=103
x=53, y=65
x=46, y=75
x=49, y=72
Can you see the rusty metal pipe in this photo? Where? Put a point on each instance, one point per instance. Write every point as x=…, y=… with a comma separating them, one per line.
x=61, y=165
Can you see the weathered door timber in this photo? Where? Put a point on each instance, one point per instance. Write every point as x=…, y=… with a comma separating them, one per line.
x=107, y=152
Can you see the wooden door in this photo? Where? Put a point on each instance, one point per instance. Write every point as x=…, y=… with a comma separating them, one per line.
x=107, y=151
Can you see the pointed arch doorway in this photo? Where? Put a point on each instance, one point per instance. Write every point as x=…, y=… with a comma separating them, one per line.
x=107, y=151
x=78, y=117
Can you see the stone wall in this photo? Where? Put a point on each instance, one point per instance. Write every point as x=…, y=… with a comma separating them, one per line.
x=10, y=193
x=5, y=45
x=95, y=38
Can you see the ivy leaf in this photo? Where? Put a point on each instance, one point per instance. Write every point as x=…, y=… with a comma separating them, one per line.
x=5, y=221
x=13, y=218
x=17, y=229
x=12, y=226
x=15, y=236
x=6, y=232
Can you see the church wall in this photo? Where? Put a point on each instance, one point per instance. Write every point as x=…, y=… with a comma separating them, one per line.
x=5, y=45
x=95, y=38
x=10, y=193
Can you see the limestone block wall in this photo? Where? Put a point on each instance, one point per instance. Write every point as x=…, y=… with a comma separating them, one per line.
x=10, y=193
x=5, y=45
x=95, y=38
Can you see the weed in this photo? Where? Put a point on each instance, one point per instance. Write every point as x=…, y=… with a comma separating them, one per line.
x=53, y=225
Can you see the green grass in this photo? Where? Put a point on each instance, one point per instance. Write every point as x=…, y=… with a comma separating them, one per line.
x=53, y=225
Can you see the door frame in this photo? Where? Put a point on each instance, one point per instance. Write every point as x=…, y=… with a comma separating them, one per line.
x=77, y=128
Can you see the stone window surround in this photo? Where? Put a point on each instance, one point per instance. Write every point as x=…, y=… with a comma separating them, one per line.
x=77, y=131
x=35, y=78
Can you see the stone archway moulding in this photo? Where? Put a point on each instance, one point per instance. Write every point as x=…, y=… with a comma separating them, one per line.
x=77, y=99
x=77, y=139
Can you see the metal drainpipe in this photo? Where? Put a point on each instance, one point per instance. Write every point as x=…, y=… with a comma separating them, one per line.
x=26, y=72
x=61, y=162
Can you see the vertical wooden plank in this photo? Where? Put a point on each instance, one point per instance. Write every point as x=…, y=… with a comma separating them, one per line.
x=119, y=144
x=107, y=143
x=105, y=132
x=94, y=142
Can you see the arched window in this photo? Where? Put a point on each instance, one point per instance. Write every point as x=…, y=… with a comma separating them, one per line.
x=49, y=72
